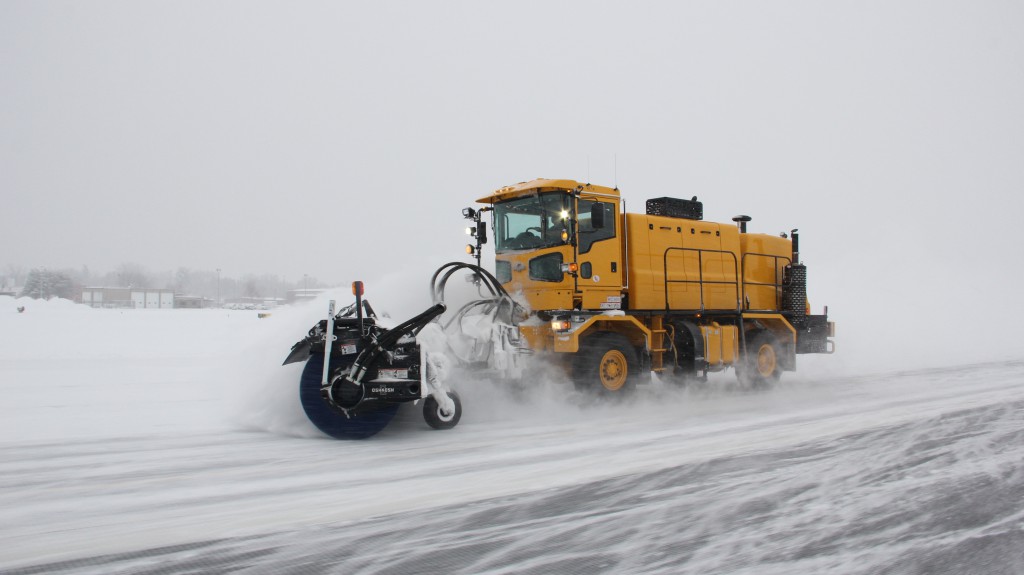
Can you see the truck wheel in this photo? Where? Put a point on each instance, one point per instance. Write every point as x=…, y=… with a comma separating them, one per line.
x=361, y=425
x=437, y=418
x=761, y=365
x=607, y=364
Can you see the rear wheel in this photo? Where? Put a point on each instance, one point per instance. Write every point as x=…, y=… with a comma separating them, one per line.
x=761, y=365
x=366, y=422
x=606, y=364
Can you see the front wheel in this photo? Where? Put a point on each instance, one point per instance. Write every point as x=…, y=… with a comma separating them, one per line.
x=607, y=364
x=362, y=424
x=437, y=417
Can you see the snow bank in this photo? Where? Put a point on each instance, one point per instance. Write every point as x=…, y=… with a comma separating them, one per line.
x=10, y=305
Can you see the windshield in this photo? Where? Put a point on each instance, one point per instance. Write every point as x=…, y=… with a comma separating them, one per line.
x=533, y=222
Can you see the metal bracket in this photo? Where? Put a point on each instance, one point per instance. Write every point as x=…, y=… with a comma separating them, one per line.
x=329, y=338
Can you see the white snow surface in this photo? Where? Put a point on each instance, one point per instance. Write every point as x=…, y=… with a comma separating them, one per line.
x=173, y=441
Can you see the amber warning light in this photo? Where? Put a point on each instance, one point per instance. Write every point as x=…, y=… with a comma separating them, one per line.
x=559, y=324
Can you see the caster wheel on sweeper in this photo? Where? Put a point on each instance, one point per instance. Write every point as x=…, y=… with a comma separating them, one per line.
x=360, y=426
x=437, y=418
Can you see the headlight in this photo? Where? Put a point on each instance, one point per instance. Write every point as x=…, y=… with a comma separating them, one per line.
x=561, y=324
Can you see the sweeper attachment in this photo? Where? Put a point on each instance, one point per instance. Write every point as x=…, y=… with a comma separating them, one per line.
x=358, y=372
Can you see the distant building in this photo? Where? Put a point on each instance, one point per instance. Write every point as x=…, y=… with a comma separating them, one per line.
x=252, y=302
x=131, y=298
x=192, y=302
x=297, y=295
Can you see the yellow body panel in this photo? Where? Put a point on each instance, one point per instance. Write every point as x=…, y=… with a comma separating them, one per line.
x=627, y=325
x=546, y=185
x=764, y=258
x=679, y=264
x=541, y=295
x=537, y=335
x=721, y=344
x=782, y=329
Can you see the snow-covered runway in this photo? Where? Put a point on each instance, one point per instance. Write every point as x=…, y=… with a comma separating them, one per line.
x=126, y=452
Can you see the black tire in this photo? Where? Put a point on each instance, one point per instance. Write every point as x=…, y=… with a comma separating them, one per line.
x=606, y=364
x=365, y=423
x=761, y=366
x=437, y=418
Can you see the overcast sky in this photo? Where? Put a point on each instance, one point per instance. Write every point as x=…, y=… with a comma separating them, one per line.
x=342, y=139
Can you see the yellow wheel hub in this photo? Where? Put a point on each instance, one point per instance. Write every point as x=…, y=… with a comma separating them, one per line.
x=766, y=360
x=613, y=370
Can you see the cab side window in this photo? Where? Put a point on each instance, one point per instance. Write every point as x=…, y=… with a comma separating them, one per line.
x=587, y=234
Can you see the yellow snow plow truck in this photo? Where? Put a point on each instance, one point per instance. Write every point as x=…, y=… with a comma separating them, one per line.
x=609, y=295
x=613, y=295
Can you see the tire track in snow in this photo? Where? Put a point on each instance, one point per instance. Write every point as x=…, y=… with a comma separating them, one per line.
x=89, y=497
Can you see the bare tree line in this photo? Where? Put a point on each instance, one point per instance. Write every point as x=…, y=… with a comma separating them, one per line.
x=66, y=282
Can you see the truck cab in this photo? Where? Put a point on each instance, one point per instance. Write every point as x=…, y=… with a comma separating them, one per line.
x=558, y=243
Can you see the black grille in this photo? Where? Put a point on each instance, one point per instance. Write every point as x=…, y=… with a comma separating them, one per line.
x=676, y=208
x=811, y=334
x=794, y=290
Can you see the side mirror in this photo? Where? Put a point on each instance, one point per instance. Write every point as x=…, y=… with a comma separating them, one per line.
x=481, y=232
x=597, y=215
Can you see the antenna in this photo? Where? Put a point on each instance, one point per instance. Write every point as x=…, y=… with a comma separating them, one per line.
x=588, y=168
x=616, y=171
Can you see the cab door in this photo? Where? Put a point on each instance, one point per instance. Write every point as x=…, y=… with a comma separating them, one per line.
x=599, y=253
